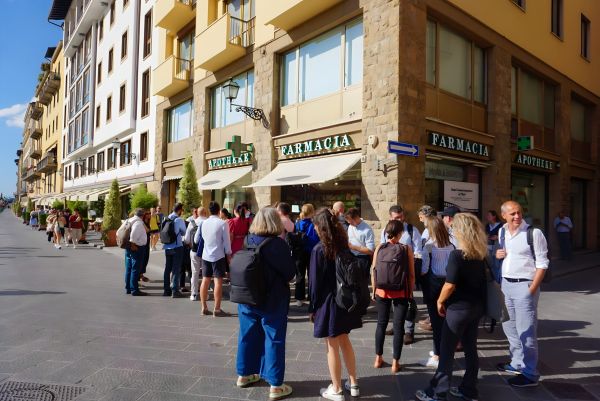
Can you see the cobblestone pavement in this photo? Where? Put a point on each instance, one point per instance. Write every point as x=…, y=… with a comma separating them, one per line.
x=68, y=329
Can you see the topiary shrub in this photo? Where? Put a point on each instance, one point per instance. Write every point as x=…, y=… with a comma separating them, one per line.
x=188, y=193
x=58, y=205
x=112, y=209
x=141, y=198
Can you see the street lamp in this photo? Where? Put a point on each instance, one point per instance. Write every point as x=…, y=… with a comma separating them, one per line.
x=116, y=146
x=230, y=90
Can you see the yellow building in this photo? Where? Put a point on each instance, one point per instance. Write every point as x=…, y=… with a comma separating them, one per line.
x=50, y=93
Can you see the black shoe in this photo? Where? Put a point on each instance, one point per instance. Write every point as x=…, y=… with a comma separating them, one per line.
x=127, y=292
x=167, y=294
x=409, y=338
x=183, y=289
x=177, y=294
x=139, y=294
x=522, y=381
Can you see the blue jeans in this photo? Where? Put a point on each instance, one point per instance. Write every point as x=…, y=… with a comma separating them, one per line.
x=133, y=264
x=261, y=342
x=521, y=328
x=173, y=261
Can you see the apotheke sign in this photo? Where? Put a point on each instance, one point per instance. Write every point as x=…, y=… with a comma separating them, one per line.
x=334, y=143
x=241, y=154
x=534, y=161
x=458, y=144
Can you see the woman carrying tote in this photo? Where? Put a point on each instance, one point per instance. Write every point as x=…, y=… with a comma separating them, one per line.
x=461, y=302
x=389, y=262
x=330, y=321
x=261, y=340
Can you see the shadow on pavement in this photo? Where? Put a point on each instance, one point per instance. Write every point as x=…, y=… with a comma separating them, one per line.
x=28, y=292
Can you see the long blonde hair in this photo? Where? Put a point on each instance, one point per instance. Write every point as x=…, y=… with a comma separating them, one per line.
x=308, y=211
x=471, y=236
x=437, y=231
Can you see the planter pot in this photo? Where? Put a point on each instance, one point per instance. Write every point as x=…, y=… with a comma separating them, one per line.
x=110, y=238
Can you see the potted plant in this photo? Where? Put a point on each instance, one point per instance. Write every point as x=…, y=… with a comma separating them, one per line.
x=42, y=218
x=58, y=205
x=141, y=198
x=112, y=215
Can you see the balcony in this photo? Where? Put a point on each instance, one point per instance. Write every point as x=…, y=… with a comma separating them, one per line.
x=77, y=26
x=223, y=42
x=173, y=15
x=32, y=175
x=291, y=13
x=35, y=132
x=48, y=163
x=36, y=152
x=172, y=76
x=35, y=110
x=48, y=88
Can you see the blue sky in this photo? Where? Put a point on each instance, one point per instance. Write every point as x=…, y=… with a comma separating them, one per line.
x=25, y=34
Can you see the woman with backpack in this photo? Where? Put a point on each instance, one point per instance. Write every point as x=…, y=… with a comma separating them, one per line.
x=392, y=279
x=261, y=340
x=435, y=254
x=306, y=229
x=461, y=302
x=330, y=321
x=238, y=227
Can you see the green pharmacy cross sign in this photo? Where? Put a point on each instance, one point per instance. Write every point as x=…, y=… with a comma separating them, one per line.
x=241, y=154
x=524, y=143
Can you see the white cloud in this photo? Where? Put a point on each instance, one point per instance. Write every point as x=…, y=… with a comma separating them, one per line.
x=14, y=115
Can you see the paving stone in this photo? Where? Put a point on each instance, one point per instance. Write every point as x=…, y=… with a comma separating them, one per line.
x=159, y=381
x=164, y=396
x=124, y=394
x=151, y=366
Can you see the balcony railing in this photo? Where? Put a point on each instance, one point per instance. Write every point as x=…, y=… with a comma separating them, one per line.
x=35, y=110
x=183, y=69
x=241, y=32
x=35, y=132
x=47, y=163
x=36, y=152
x=48, y=88
x=172, y=76
x=32, y=174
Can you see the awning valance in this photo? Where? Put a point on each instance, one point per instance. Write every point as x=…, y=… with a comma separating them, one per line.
x=171, y=177
x=313, y=170
x=219, y=179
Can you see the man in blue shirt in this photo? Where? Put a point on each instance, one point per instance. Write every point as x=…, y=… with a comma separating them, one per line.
x=361, y=239
x=174, y=253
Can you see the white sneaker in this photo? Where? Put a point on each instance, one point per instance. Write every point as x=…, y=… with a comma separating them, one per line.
x=330, y=394
x=354, y=390
x=59, y=247
x=431, y=353
x=74, y=246
x=299, y=303
x=430, y=362
x=194, y=297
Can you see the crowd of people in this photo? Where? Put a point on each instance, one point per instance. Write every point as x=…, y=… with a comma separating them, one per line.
x=450, y=262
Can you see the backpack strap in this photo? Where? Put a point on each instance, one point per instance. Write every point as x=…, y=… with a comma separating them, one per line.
x=410, y=230
x=530, y=240
x=501, y=233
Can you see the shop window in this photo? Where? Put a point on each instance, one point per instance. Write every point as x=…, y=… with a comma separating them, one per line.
x=221, y=113
x=455, y=64
x=580, y=137
x=180, y=121
x=533, y=108
x=144, y=146
x=314, y=69
x=531, y=191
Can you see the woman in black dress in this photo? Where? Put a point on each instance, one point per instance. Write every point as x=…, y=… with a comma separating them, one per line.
x=461, y=302
x=330, y=321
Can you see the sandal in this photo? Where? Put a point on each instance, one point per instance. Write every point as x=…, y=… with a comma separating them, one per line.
x=279, y=392
x=245, y=381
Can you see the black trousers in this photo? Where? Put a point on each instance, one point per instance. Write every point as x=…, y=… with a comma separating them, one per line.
x=186, y=266
x=462, y=320
x=383, y=306
x=437, y=322
x=301, y=268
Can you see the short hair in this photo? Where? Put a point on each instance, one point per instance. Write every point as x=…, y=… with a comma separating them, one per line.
x=352, y=213
x=308, y=211
x=506, y=204
x=138, y=212
x=338, y=206
x=267, y=223
x=494, y=213
x=76, y=210
x=202, y=211
x=393, y=228
x=284, y=208
x=214, y=207
x=396, y=209
x=178, y=206
x=427, y=211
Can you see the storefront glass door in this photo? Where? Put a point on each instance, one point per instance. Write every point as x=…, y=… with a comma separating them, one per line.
x=530, y=190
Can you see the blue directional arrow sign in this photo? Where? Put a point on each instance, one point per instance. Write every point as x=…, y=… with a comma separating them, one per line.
x=404, y=149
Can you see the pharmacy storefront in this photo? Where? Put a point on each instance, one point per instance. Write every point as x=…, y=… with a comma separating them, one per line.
x=228, y=173
x=453, y=171
x=317, y=168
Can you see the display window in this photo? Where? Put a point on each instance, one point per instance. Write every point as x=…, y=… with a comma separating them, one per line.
x=530, y=190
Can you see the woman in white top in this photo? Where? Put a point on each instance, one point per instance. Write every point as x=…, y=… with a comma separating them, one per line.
x=435, y=258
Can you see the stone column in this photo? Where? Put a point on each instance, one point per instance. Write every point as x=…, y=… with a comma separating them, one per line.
x=496, y=179
x=266, y=97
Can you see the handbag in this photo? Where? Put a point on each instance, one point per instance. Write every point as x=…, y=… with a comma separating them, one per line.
x=495, y=308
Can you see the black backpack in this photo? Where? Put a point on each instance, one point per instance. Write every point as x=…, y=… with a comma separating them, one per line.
x=548, y=275
x=247, y=276
x=197, y=247
x=391, y=267
x=295, y=241
x=167, y=232
x=352, y=287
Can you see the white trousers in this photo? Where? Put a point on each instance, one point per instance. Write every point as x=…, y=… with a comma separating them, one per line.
x=196, y=271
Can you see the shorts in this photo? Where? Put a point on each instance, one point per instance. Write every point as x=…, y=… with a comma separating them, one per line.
x=214, y=269
x=153, y=232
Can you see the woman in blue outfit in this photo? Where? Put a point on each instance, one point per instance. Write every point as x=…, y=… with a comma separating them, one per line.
x=261, y=341
x=330, y=321
x=304, y=225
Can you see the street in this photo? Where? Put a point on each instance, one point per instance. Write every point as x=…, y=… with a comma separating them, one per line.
x=69, y=332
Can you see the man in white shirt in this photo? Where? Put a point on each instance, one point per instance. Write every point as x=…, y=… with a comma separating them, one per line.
x=522, y=274
x=410, y=237
x=361, y=239
x=216, y=255
x=338, y=211
x=134, y=255
x=563, y=226
x=195, y=224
